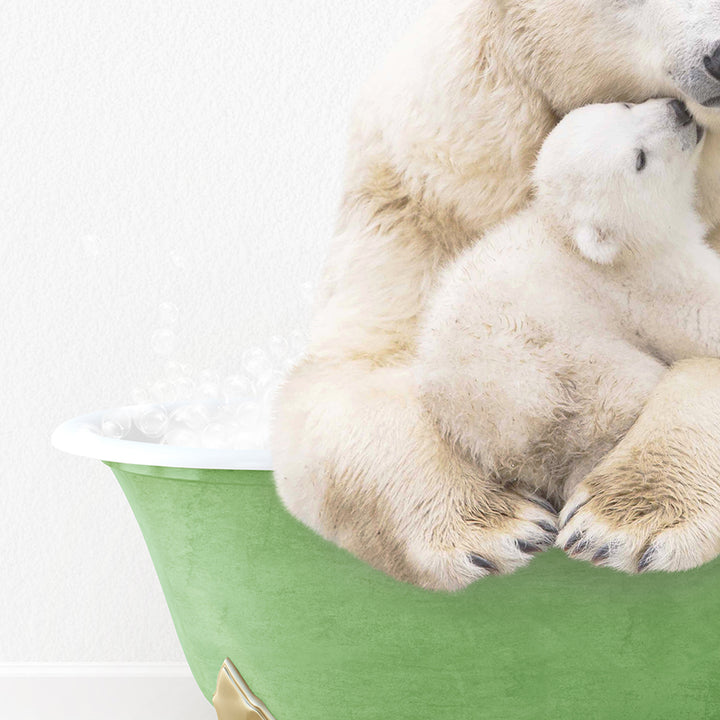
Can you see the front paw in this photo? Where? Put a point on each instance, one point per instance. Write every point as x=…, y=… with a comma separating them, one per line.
x=654, y=502
x=498, y=534
x=637, y=529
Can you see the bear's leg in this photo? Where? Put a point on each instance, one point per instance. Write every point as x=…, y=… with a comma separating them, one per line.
x=358, y=459
x=654, y=502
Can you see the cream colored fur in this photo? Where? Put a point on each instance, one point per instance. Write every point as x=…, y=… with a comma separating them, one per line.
x=441, y=149
x=544, y=341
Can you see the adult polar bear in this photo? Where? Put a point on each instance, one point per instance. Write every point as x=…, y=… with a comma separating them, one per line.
x=441, y=149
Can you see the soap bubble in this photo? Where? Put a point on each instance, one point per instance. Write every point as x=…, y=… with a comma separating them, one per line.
x=194, y=417
x=225, y=413
x=139, y=395
x=174, y=370
x=248, y=415
x=254, y=361
x=298, y=341
x=307, y=290
x=279, y=347
x=263, y=380
x=271, y=377
x=289, y=364
x=209, y=376
x=215, y=435
x=221, y=412
x=168, y=313
x=242, y=440
x=116, y=423
x=181, y=437
x=184, y=388
x=163, y=391
x=235, y=387
x=152, y=420
x=262, y=436
x=267, y=399
x=163, y=341
x=207, y=392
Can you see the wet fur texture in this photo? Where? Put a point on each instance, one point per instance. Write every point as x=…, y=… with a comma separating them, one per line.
x=441, y=150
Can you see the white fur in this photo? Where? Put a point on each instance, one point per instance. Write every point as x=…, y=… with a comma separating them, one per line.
x=539, y=350
x=441, y=149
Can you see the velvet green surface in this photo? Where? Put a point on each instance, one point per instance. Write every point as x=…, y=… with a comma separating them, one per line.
x=318, y=635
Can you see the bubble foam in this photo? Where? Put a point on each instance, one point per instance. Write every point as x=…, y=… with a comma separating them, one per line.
x=206, y=409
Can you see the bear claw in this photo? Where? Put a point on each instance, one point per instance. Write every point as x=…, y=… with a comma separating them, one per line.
x=543, y=503
x=580, y=547
x=572, y=540
x=484, y=563
x=602, y=554
x=547, y=527
x=646, y=559
x=573, y=512
x=527, y=547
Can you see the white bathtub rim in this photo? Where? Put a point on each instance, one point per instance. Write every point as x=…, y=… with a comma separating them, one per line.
x=80, y=436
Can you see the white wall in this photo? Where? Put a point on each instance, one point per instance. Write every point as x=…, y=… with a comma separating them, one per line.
x=150, y=151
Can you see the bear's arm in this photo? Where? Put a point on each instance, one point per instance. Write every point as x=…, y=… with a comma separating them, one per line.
x=683, y=315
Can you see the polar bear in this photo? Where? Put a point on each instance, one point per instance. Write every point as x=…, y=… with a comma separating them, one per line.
x=544, y=341
x=441, y=149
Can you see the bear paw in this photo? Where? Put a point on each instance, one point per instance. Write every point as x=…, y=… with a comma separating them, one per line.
x=497, y=538
x=637, y=530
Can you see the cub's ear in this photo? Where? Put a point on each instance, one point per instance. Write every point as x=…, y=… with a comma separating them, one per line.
x=596, y=245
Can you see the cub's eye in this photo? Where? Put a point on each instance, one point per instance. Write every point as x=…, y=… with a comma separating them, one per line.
x=627, y=105
x=641, y=160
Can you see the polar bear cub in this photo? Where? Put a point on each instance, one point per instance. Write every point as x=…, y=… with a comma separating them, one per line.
x=545, y=340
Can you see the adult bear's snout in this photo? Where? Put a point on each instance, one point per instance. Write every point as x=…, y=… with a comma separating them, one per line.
x=712, y=63
x=681, y=112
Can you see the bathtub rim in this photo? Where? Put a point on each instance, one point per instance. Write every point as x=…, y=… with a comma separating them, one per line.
x=80, y=436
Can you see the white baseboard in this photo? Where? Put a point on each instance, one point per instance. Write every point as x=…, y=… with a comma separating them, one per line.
x=93, y=670
x=111, y=691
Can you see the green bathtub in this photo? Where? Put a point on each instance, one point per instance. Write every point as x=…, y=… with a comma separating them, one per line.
x=318, y=635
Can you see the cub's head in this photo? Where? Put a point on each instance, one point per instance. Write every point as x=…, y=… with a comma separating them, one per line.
x=619, y=179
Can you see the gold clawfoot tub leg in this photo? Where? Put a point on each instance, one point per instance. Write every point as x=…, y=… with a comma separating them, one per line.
x=233, y=699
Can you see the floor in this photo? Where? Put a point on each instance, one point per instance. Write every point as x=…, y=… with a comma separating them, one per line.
x=174, y=698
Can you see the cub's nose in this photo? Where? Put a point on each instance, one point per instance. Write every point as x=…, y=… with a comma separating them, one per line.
x=712, y=63
x=681, y=112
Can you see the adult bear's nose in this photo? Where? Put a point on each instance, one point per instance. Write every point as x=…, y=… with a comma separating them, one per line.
x=681, y=112
x=712, y=63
